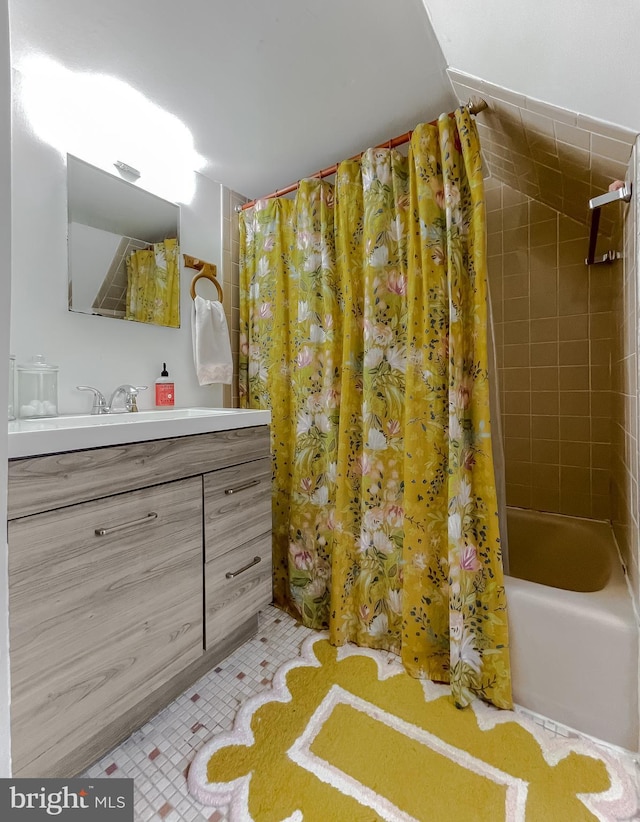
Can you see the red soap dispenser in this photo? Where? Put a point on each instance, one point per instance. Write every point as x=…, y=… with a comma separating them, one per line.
x=165, y=393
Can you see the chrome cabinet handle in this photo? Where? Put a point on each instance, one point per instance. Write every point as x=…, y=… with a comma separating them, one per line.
x=250, y=484
x=232, y=574
x=103, y=532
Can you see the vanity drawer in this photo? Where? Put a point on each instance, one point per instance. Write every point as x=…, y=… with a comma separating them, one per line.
x=231, y=600
x=100, y=620
x=44, y=483
x=237, y=506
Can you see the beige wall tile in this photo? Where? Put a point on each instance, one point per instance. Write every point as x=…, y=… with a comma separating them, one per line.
x=574, y=352
x=575, y=403
x=516, y=285
x=517, y=402
x=544, y=329
x=570, y=229
x=539, y=212
x=545, y=452
x=574, y=327
x=601, y=429
x=545, y=476
x=600, y=377
x=517, y=449
x=516, y=216
x=601, y=507
x=575, y=480
x=544, y=354
x=574, y=378
x=601, y=325
x=519, y=496
x=576, y=454
x=517, y=379
x=545, y=428
x=516, y=331
x=573, y=290
x=601, y=403
x=545, y=403
x=600, y=455
x=544, y=233
x=517, y=425
x=544, y=378
x=575, y=505
x=575, y=429
x=544, y=258
x=543, y=499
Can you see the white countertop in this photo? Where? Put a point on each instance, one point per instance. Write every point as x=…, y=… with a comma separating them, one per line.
x=74, y=432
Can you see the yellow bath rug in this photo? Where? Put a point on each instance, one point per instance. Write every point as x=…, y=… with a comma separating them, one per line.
x=345, y=735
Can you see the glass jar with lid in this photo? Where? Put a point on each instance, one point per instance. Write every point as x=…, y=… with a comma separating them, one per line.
x=37, y=389
x=12, y=385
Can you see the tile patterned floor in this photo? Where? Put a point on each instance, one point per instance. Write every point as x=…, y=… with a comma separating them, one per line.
x=158, y=755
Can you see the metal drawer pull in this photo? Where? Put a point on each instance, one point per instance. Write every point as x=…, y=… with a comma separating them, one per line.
x=250, y=484
x=103, y=532
x=232, y=574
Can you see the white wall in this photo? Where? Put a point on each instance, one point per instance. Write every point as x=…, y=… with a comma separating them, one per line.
x=92, y=251
x=581, y=55
x=5, y=294
x=97, y=351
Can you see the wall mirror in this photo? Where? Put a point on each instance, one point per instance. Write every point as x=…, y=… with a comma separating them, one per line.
x=123, y=248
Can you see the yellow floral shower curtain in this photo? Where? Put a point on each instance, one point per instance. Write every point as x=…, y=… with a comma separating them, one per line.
x=363, y=329
x=153, y=285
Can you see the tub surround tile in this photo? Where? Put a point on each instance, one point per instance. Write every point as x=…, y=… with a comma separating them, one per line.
x=560, y=158
x=552, y=309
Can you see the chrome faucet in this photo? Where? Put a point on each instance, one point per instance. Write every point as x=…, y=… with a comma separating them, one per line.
x=101, y=406
x=99, y=403
x=130, y=394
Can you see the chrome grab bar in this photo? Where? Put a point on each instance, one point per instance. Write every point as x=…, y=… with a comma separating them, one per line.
x=623, y=192
x=103, y=532
x=232, y=574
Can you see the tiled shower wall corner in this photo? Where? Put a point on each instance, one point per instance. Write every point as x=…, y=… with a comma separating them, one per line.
x=554, y=333
x=231, y=284
x=625, y=388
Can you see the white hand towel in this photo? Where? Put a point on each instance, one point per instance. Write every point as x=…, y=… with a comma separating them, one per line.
x=211, y=346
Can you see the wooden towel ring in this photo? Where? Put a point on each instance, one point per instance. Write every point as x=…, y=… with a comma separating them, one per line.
x=207, y=272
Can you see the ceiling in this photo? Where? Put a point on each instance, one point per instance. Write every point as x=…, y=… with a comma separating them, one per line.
x=271, y=91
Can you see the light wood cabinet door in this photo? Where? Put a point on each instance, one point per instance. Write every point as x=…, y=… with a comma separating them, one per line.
x=237, y=506
x=100, y=620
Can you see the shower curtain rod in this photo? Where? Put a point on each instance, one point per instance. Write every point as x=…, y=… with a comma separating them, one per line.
x=475, y=106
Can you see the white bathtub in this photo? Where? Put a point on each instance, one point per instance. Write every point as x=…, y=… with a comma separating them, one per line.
x=573, y=635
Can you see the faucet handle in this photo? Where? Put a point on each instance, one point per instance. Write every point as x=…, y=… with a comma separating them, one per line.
x=133, y=396
x=99, y=402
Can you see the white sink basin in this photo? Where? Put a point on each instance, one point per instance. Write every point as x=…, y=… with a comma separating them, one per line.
x=29, y=437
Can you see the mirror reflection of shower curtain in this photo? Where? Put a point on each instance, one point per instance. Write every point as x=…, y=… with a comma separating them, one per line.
x=153, y=285
x=497, y=442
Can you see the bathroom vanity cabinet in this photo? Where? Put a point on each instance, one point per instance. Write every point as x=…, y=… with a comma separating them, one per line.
x=132, y=570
